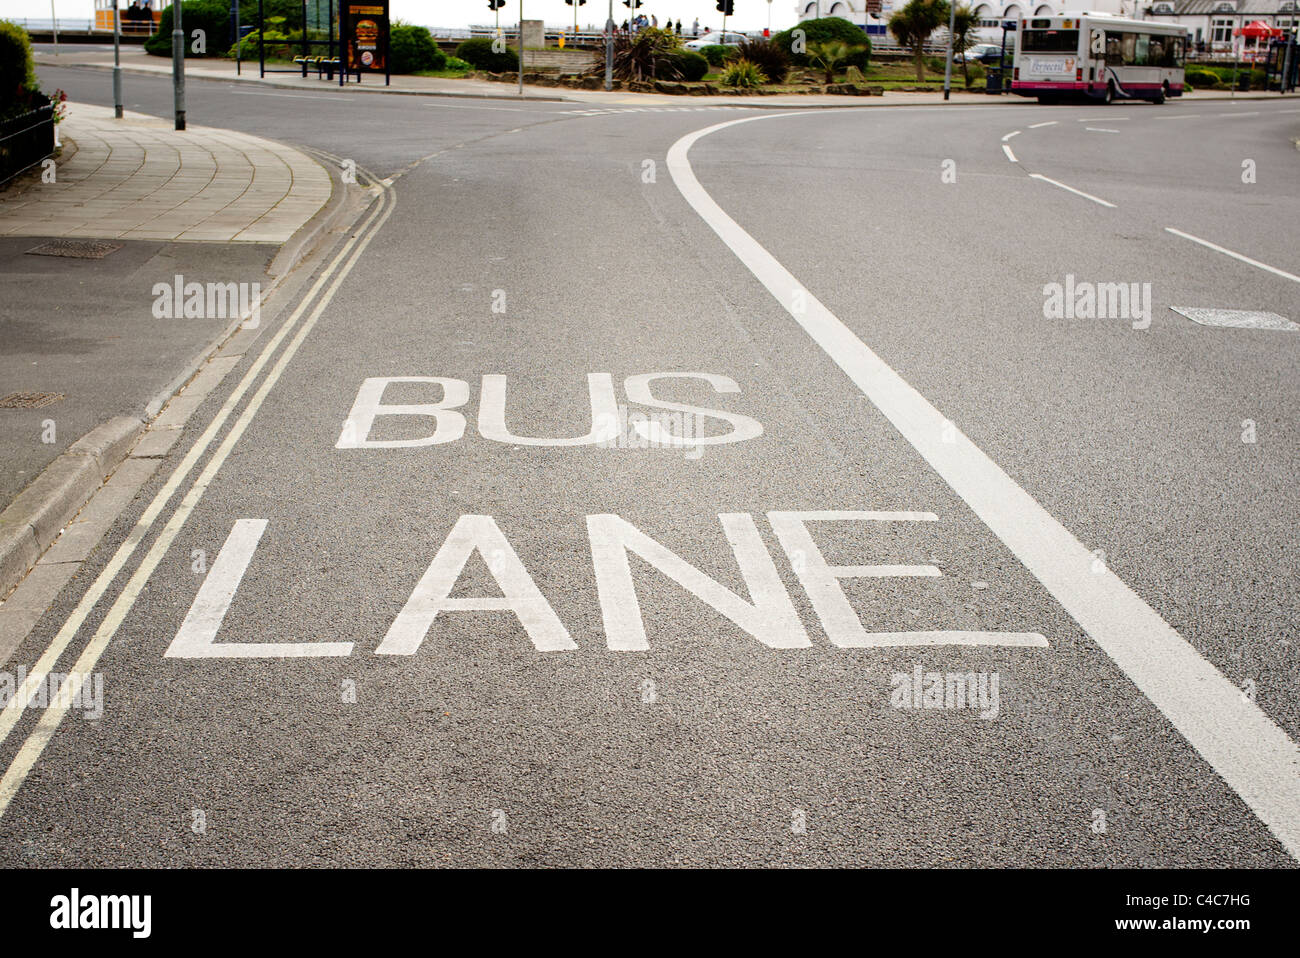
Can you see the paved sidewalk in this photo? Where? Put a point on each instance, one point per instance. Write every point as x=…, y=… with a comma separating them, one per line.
x=137, y=178
x=137, y=61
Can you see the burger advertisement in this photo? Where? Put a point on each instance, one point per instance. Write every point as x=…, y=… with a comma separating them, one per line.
x=367, y=36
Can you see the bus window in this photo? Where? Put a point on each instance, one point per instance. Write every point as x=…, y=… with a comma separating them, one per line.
x=1050, y=41
x=1114, y=50
x=1156, y=53
x=1142, y=54
x=1128, y=42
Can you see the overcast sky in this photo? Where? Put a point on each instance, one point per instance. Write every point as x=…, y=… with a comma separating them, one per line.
x=750, y=14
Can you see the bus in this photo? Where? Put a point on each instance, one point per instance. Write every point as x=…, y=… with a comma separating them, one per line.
x=1105, y=58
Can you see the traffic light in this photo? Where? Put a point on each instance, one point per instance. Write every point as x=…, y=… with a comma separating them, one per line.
x=632, y=4
x=496, y=4
x=726, y=7
x=581, y=3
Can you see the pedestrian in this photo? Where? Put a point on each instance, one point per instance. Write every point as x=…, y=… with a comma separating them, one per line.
x=654, y=21
x=695, y=27
x=678, y=28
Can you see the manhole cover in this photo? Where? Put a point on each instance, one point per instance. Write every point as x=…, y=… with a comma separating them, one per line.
x=78, y=249
x=1236, y=318
x=29, y=400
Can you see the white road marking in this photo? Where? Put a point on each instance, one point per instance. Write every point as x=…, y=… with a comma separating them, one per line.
x=1094, y=119
x=499, y=109
x=1099, y=129
x=197, y=638
x=1010, y=156
x=32, y=748
x=1071, y=189
x=1243, y=745
x=820, y=580
x=1010, y=135
x=1254, y=113
x=1035, y=126
x=1181, y=116
x=1227, y=252
x=292, y=96
x=12, y=712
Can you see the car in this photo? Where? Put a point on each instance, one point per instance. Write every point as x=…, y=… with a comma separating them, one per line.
x=717, y=38
x=984, y=53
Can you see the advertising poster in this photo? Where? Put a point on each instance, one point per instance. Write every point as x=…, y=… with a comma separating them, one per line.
x=366, y=34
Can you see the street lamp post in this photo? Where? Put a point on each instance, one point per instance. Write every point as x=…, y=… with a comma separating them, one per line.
x=117, y=64
x=947, y=67
x=54, y=26
x=178, y=65
x=609, y=48
x=521, y=47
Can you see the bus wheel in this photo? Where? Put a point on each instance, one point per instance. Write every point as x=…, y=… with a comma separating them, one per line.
x=1164, y=92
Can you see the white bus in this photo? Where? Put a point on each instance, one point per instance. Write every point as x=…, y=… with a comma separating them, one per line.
x=1103, y=57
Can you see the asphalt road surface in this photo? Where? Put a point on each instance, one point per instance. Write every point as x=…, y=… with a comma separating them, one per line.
x=877, y=459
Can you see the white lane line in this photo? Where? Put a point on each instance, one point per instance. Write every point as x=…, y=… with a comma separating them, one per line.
x=12, y=712
x=1254, y=113
x=499, y=109
x=1094, y=119
x=886, y=640
x=1010, y=156
x=1098, y=129
x=1035, y=126
x=1010, y=135
x=291, y=96
x=1181, y=116
x=31, y=750
x=1071, y=189
x=1227, y=252
x=1230, y=732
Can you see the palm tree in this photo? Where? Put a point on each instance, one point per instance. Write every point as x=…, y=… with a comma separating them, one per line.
x=912, y=26
x=829, y=55
x=963, y=24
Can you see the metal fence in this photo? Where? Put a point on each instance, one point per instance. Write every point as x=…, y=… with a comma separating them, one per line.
x=25, y=140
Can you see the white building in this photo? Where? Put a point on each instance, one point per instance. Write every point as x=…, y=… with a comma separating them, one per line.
x=875, y=14
x=1210, y=22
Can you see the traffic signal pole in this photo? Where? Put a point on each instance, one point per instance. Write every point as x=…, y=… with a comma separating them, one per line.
x=947, y=67
x=609, y=48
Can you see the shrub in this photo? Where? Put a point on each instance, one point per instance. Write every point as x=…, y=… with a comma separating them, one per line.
x=649, y=54
x=455, y=63
x=690, y=66
x=974, y=74
x=17, y=70
x=825, y=30
x=768, y=57
x=1201, y=79
x=743, y=74
x=210, y=16
x=477, y=52
x=411, y=49
x=716, y=54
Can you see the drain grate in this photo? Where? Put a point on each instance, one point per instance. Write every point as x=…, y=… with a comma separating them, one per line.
x=1236, y=318
x=29, y=400
x=77, y=249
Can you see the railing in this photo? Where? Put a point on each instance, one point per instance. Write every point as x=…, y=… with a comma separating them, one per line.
x=25, y=140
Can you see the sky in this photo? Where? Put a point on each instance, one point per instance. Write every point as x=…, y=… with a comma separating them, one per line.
x=750, y=14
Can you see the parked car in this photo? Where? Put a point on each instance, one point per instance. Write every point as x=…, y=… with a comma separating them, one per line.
x=717, y=38
x=984, y=53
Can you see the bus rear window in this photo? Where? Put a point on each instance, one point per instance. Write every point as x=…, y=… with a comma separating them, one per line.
x=1050, y=41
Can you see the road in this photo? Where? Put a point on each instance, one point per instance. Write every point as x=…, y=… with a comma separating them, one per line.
x=1094, y=516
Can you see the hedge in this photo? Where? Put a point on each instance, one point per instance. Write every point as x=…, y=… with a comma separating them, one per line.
x=210, y=16
x=17, y=69
x=411, y=49
x=477, y=52
x=822, y=31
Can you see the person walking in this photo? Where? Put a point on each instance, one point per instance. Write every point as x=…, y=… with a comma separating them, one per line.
x=678, y=28
x=695, y=27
